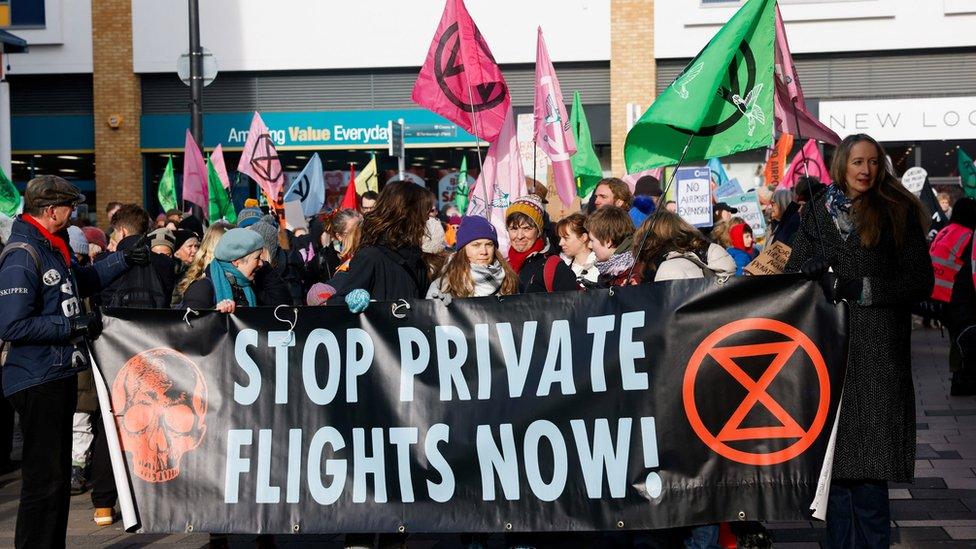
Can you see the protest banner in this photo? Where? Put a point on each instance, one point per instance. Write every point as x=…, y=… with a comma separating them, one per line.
x=648, y=407
x=771, y=261
x=750, y=211
x=693, y=192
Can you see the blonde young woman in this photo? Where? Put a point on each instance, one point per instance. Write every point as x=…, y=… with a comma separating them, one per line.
x=202, y=259
x=477, y=269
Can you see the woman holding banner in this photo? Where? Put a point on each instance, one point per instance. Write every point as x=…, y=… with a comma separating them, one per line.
x=478, y=268
x=864, y=239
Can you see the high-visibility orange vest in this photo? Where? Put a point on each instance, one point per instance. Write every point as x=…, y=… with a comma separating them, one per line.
x=946, y=253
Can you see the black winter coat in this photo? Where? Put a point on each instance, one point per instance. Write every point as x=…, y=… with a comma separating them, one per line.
x=385, y=273
x=269, y=290
x=876, y=434
x=162, y=265
x=532, y=275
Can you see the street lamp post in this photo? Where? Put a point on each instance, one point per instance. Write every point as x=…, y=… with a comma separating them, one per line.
x=196, y=84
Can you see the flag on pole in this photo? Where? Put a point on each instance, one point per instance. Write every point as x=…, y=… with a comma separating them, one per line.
x=460, y=80
x=195, y=180
x=221, y=206
x=166, y=192
x=309, y=187
x=217, y=159
x=808, y=161
x=789, y=108
x=500, y=182
x=461, y=190
x=350, y=199
x=967, y=172
x=259, y=160
x=776, y=164
x=724, y=98
x=552, y=126
x=586, y=164
x=368, y=179
x=718, y=171
x=9, y=196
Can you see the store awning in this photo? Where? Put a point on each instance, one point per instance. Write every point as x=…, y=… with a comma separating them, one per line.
x=11, y=43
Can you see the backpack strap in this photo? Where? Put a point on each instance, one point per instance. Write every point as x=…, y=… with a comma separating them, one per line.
x=22, y=246
x=549, y=272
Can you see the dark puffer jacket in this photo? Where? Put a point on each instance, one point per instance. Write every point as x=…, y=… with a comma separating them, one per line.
x=532, y=275
x=385, y=273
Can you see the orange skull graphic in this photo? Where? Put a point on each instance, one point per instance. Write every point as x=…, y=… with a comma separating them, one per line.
x=160, y=398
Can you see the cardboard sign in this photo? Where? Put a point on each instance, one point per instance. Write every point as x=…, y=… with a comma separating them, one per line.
x=772, y=260
x=693, y=187
x=294, y=215
x=914, y=180
x=750, y=211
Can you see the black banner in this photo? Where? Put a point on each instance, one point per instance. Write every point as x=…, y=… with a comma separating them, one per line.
x=652, y=406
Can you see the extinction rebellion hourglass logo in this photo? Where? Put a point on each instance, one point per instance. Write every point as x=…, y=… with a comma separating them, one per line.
x=784, y=432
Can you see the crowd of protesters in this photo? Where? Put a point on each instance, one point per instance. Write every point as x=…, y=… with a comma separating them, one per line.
x=863, y=238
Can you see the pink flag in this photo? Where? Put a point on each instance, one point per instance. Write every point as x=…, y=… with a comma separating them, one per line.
x=501, y=181
x=789, y=109
x=552, y=128
x=259, y=160
x=631, y=178
x=459, y=79
x=195, y=187
x=217, y=161
x=808, y=161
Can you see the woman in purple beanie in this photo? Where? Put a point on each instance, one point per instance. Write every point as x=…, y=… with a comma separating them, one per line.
x=477, y=268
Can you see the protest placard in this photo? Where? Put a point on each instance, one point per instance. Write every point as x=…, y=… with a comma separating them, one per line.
x=772, y=260
x=694, y=195
x=749, y=210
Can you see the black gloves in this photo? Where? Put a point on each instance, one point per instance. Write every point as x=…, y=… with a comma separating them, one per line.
x=85, y=325
x=836, y=289
x=138, y=254
x=815, y=268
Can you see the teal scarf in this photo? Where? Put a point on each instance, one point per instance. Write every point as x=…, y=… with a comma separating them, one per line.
x=220, y=273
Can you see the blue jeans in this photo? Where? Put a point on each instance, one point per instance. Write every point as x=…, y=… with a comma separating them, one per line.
x=703, y=537
x=858, y=515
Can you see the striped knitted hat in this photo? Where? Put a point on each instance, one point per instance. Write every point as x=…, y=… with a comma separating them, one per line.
x=529, y=205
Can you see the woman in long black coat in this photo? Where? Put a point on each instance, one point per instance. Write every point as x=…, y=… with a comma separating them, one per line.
x=871, y=230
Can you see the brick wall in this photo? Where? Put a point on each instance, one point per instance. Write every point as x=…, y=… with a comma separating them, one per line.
x=632, y=68
x=118, y=162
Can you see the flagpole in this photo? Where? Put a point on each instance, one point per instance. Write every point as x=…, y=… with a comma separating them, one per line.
x=477, y=144
x=534, y=180
x=803, y=154
x=664, y=194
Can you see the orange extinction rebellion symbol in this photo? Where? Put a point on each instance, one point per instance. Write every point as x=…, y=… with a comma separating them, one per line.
x=781, y=351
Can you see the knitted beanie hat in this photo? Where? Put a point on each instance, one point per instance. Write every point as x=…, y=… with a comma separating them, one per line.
x=77, y=240
x=163, y=237
x=236, y=243
x=95, y=236
x=267, y=227
x=475, y=227
x=529, y=205
x=248, y=217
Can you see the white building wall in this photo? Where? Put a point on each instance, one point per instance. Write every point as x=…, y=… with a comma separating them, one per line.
x=318, y=34
x=683, y=27
x=64, y=46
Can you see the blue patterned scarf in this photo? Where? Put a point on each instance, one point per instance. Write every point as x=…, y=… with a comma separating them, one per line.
x=839, y=208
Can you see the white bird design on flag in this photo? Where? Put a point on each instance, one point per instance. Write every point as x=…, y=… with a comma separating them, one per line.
x=753, y=112
x=685, y=78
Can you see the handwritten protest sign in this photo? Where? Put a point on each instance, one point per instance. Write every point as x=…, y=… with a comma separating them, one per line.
x=772, y=260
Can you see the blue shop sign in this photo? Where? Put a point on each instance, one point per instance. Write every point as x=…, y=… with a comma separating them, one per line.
x=65, y=133
x=305, y=130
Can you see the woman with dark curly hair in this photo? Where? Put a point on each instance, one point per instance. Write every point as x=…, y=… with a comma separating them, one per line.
x=864, y=239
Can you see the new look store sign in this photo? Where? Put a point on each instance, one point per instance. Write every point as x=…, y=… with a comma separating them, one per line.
x=312, y=130
x=903, y=119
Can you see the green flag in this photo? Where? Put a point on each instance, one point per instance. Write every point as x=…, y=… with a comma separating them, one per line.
x=167, y=188
x=586, y=165
x=967, y=173
x=462, y=190
x=220, y=204
x=9, y=196
x=724, y=98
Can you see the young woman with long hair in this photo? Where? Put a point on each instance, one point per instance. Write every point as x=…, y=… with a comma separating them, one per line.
x=477, y=268
x=575, y=244
x=388, y=263
x=869, y=231
x=675, y=250
x=202, y=259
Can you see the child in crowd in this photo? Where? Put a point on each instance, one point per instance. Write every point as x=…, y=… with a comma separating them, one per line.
x=742, y=249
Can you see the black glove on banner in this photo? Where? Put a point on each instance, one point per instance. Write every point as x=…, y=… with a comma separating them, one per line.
x=85, y=325
x=837, y=289
x=138, y=254
x=815, y=268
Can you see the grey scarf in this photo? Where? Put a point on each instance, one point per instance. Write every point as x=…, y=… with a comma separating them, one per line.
x=487, y=279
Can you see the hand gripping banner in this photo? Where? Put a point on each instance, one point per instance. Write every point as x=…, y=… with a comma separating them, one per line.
x=653, y=406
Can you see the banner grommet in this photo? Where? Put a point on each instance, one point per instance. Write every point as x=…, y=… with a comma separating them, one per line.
x=401, y=529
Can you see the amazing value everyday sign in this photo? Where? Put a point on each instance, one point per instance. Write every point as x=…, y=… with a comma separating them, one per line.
x=676, y=403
